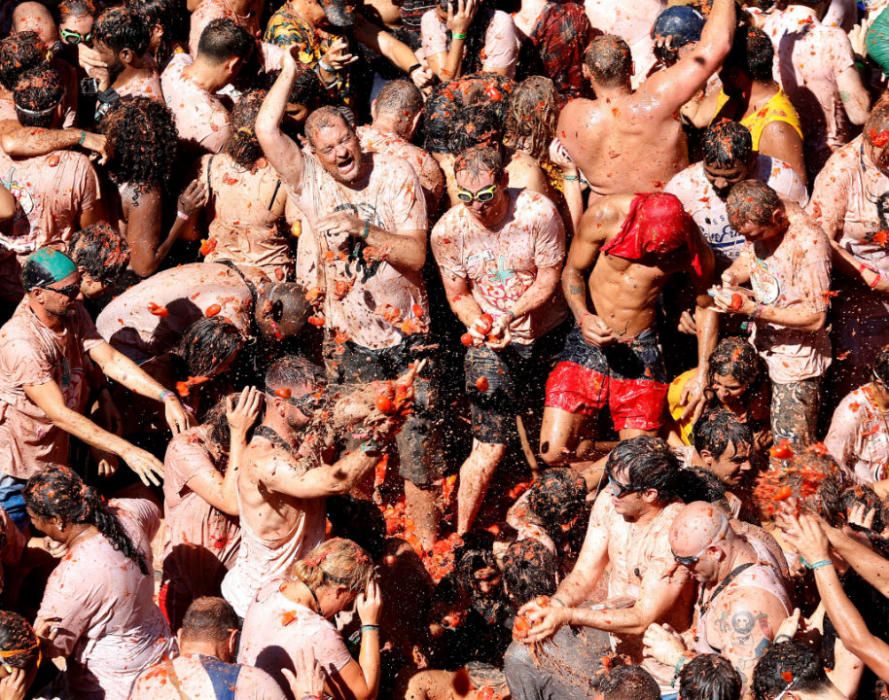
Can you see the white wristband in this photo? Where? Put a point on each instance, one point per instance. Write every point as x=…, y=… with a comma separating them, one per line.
x=182, y=215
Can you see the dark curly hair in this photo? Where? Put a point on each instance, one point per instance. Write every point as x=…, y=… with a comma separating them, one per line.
x=242, y=144
x=142, y=143
x=172, y=16
x=467, y=112
x=77, y=8
x=122, y=28
x=789, y=665
x=19, y=52
x=717, y=428
x=207, y=343
x=709, y=677
x=736, y=358
x=557, y=497
x=529, y=570
x=18, y=641
x=727, y=144
x=531, y=120
x=650, y=464
x=752, y=52
x=58, y=492
x=101, y=251
x=37, y=94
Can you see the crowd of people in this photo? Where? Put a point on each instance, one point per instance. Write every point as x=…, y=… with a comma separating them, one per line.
x=444, y=349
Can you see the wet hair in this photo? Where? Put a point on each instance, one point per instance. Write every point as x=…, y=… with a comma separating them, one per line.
x=122, y=28
x=242, y=144
x=37, y=94
x=306, y=90
x=791, y=660
x=292, y=371
x=699, y=484
x=207, y=343
x=800, y=475
x=100, y=251
x=727, y=144
x=752, y=202
x=709, y=677
x=718, y=428
x=209, y=619
x=531, y=117
x=628, y=683
x=735, y=357
x=76, y=8
x=18, y=641
x=322, y=118
x=474, y=42
x=142, y=143
x=223, y=39
x=220, y=432
x=880, y=365
x=337, y=561
x=838, y=497
x=557, y=497
x=19, y=52
x=169, y=14
x=476, y=552
x=288, y=300
x=649, y=464
x=609, y=60
x=483, y=159
x=58, y=492
x=753, y=53
x=467, y=112
x=876, y=128
x=400, y=97
x=529, y=570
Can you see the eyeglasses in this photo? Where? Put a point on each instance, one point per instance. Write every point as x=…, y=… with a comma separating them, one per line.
x=71, y=291
x=619, y=490
x=485, y=194
x=691, y=561
x=69, y=36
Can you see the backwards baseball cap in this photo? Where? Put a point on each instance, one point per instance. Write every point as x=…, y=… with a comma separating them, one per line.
x=680, y=22
x=45, y=267
x=339, y=13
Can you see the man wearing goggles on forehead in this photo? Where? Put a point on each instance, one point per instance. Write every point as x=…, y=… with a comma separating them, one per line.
x=43, y=382
x=628, y=536
x=742, y=598
x=500, y=255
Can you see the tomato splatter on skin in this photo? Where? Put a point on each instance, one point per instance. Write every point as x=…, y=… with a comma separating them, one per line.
x=212, y=310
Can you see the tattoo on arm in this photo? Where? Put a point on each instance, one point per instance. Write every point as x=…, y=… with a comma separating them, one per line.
x=575, y=289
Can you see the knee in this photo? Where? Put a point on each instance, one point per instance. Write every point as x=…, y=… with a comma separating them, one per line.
x=551, y=453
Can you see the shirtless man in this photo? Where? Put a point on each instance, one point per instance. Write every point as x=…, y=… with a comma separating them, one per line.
x=627, y=141
x=363, y=247
x=282, y=503
x=786, y=259
x=743, y=598
x=628, y=537
x=633, y=243
x=396, y=113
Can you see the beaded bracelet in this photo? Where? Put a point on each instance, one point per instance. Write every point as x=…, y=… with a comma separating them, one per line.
x=819, y=564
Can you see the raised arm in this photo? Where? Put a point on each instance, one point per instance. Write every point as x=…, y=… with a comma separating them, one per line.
x=673, y=87
x=282, y=152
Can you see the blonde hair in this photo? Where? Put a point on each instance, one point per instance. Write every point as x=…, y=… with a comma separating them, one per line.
x=337, y=561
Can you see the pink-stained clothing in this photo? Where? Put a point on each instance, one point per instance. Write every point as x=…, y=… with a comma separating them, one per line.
x=858, y=438
x=808, y=57
x=796, y=274
x=30, y=355
x=148, y=85
x=52, y=191
x=208, y=10
x=248, y=225
x=201, y=541
x=109, y=627
x=501, y=40
x=500, y=265
x=393, y=200
x=200, y=116
x=708, y=209
x=194, y=681
x=186, y=292
x=424, y=165
x=11, y=554
x=260, y=560
x=276, y=629
x=850, y=201
x=632, y=22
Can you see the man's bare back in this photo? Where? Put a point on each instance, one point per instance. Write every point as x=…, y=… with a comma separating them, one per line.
x=627, y=141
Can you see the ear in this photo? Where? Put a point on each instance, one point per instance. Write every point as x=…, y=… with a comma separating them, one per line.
x=706, y=457
x=415, y=121
x=232, y=643
x=650, y=496
x=127, y=56
x=779, y=217
x=373, y=109
x=179, y=638
x=232, y=64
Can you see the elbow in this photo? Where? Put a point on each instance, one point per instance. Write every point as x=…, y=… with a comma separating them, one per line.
x=817, y=323
x=144, y=268
x=10, y=144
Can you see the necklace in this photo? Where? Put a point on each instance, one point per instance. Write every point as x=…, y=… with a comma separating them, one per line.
x=273, y=437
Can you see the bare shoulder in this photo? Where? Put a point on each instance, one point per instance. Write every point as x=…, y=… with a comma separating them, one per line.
x=577, y=114
x=604, y=218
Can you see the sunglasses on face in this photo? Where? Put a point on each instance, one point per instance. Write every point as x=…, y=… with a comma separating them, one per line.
x=69, y=36
x=691, y=561
x=485, y=194
x=619, y=490
x=71, y=291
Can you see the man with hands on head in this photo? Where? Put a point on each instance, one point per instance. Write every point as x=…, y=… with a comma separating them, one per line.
x=43, y=379
x=742, y=602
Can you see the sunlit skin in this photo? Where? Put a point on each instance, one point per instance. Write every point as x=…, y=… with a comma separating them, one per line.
x=733, y=465
x=336, y=147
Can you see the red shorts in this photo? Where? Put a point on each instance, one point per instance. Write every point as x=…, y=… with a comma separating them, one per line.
x=635, y=404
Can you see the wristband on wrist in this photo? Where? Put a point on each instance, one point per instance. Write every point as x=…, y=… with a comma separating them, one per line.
x=781, y=639
x=818, y=564
x=366, y=232
x=410, y=71
x=82, y=138
x=557, y=601
x=571, y=178
x=459, y=36
x=369, y=446
x=325, y=67
x=374, y=628
x=165, y=394
x=683, y=659
x=182, y=215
